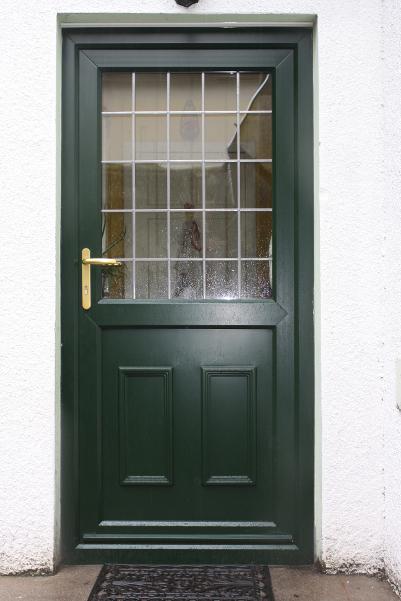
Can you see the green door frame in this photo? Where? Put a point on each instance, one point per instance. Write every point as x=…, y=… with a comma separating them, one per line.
x=94, y=44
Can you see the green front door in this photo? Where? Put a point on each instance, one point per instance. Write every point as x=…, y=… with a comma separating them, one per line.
x=187, y=356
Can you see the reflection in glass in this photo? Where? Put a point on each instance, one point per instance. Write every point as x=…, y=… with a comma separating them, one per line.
x=151, y=279
x=117, y=235
x=116, y=138
x=150, y=137
x=221, y=234
x=221, y=279
x=256, y=185
x=255, y=91
x=221, y=185
x=151, y=186
x=116, y=91
x=186, y=235
x=116, y=186
x=221, y=137
x=185, y=92
x=256, y=279
x=151, y=235
x=117, y=281
x=185, y=185
x=186, y=136
x=150, y=92
x=220, y=92
x=256, y=136
x=256, y=234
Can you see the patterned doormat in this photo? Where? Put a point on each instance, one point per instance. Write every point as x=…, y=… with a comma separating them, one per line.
x=182, y=583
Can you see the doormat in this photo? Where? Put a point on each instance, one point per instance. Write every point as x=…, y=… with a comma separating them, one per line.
x=182, y=582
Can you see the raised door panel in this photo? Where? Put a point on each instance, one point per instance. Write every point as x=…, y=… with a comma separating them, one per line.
x=145, y=407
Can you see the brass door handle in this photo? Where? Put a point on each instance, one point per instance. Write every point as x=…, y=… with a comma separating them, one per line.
x=86, y=274
x=98, y=261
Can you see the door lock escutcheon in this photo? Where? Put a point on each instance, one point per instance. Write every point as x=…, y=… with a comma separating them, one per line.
x=87, y=262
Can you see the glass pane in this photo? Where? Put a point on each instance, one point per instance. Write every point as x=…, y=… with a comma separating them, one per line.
x=150, y=92
x=116, y=92
x=117, y=281
x=186, y=279
x=256, y=185
x=186, y=136
x=185, y=185
x=256, y=279
x=117, y=235
x=186, y=234
x=221, y=185
x=151, y=186
x=256, y=136
x=221, y=234
x=150, y=137
x=117, y=138
x=220, y=92
x=256, y=234
x=255, y=92
x=221, y=279
x=151, y=279
x=116, y=186
x=185, y=92
x=221, y=137
x=151, y=235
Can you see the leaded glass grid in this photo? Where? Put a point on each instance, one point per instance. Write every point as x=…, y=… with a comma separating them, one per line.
x=187, y=193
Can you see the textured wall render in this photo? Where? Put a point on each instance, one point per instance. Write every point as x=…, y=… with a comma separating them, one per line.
x=352, y=154
x=391, y=285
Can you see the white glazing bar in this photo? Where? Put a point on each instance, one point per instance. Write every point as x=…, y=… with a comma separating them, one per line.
x=238, y=185
x=168, y=188
x=211, y=210
x=203, y=191
x=225, y=112
x=189, y=259
x=133, y=189
x=162, y=162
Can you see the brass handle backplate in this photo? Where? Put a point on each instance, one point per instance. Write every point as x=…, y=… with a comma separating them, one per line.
x=86, y=274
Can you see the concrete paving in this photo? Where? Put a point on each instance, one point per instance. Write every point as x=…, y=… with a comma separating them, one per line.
x=74, y=583
x=307, y=584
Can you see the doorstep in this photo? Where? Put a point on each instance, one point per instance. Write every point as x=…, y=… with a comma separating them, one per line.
x=74, y=583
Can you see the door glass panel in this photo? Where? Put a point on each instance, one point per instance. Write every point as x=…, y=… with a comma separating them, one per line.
x=150, y=92
x=151, y=185
x=255, y=92
x=221, y=279
x=221, y=137
x=185, y=186
x=117, y=235
x=151, y=279
x=186, y=136
x=151, y=235
x=185, y=92
x=117, y=92
x=117, y=186
x=256, y=234
x=222, y=234
x=187, y=167
x=220, y=92
x=117, y=138
x=150, y=137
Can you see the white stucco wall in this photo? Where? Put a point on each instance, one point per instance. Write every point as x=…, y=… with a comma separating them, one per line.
x=391, y=287
x=358, y=320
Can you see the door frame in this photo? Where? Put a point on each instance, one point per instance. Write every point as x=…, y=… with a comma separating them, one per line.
x=299, y=42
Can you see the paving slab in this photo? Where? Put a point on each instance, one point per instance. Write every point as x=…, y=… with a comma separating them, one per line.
x=70, y=583
x=74, y=583
x=308, y=584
